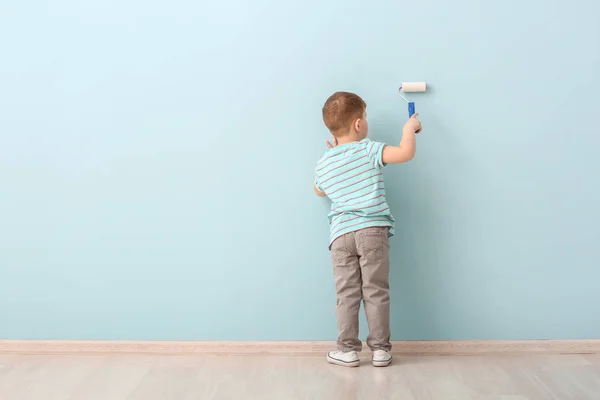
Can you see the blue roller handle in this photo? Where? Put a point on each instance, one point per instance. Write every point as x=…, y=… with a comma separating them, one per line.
x=411, y=108
x=411, y=111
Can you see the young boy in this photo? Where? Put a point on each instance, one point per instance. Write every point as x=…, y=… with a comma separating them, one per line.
x=350, y=174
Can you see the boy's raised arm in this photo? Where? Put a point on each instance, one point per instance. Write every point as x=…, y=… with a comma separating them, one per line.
x=408, y=146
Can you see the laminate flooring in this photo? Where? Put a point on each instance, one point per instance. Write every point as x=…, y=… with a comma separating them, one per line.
x=264, y=377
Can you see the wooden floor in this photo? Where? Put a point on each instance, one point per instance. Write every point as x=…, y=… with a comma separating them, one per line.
x=297, y=377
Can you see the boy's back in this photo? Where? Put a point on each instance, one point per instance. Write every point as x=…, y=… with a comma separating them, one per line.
x=351, y=176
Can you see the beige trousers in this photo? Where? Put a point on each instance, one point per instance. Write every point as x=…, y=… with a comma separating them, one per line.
x=361, y=266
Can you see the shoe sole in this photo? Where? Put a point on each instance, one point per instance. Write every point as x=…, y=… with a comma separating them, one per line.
x=382, y=363
x=342, y=363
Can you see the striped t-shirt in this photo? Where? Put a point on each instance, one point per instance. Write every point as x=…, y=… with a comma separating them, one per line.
x=351, y=176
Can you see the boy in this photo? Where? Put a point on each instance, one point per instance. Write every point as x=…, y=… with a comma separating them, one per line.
x=350, y=174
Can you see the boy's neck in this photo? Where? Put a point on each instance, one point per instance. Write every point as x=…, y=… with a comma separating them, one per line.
x=347, y=139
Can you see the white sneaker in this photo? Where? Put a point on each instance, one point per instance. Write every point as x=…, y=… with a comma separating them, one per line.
x=381, y=358
x=345, y=359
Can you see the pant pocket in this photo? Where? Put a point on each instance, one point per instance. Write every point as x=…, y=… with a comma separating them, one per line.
x=373, y=244
x=338, y=251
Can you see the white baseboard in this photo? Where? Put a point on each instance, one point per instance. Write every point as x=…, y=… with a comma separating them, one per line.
x=434, y=348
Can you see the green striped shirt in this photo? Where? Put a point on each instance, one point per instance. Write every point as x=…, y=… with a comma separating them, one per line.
x=351, y=176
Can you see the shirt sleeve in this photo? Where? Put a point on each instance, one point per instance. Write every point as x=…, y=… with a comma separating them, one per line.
x=375, y=154
x=317, y=182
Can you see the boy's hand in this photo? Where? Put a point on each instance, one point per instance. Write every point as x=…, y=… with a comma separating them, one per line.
x=334, y=140
x=414, y=124
x=318, y=192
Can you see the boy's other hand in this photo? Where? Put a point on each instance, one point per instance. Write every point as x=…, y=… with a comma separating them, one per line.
x=414, y=124
x=333, y=140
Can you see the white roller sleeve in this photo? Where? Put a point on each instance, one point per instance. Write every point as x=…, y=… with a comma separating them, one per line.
x=414, y=87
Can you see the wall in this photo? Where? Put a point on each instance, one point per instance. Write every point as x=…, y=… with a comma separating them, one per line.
x=156, y=163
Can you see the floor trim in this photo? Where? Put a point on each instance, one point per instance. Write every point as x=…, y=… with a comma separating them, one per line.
x=450, y=348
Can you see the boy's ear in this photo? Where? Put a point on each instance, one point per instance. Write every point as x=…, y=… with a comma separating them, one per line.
x=356, y=125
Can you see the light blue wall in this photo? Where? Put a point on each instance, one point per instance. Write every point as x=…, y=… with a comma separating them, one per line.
x=156, y=162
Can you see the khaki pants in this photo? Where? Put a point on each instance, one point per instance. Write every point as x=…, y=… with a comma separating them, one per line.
x=361, y=267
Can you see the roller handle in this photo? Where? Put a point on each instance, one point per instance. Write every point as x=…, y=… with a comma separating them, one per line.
x=411, y=111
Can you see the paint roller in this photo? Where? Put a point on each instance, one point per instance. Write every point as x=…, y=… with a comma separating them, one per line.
x=411, y=87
